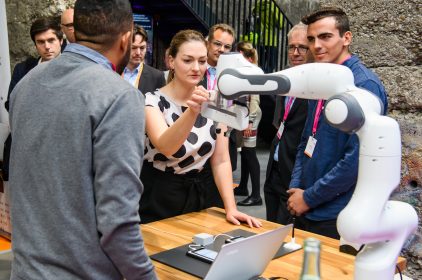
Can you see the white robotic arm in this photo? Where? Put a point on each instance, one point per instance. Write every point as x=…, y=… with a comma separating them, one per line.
x=369, y=218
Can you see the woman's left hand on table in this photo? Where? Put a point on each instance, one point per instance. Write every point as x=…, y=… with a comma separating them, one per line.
x=236, y=217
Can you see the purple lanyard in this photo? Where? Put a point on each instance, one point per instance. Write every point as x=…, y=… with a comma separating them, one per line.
x=209, y=81
x=288, y=107
x=317, y=114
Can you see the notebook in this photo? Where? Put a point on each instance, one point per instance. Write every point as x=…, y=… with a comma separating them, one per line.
x=247, y=258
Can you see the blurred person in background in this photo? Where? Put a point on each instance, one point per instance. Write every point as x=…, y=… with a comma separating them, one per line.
x=137, y=72
x=247, y=140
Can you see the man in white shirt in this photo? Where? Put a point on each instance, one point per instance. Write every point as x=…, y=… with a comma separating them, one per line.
x=220, y=40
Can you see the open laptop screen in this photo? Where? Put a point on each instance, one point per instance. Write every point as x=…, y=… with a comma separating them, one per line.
x=247, y=258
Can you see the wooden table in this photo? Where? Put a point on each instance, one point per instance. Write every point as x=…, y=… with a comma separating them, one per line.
x=173, y=232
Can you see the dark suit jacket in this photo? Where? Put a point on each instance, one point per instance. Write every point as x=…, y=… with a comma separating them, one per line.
x=21, y=69
x=203, y=82
x=151, y=79
x=291, y=136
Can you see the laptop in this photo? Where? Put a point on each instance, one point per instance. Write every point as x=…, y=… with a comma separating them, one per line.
x=247, y=258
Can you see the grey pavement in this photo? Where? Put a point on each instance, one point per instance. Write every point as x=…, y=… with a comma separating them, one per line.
x=5, y=263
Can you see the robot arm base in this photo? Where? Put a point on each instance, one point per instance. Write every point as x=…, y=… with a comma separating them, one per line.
x=377, y=261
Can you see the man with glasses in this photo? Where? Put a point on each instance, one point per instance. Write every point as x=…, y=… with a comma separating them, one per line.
x=289, y=118
x=67, y=25
x=220, y=40
x=325, y=172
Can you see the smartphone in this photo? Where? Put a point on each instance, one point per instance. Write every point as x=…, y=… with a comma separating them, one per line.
x=203, y=254
x=234, y=239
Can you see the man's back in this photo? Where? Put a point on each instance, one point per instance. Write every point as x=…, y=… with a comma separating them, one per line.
x=77, y=133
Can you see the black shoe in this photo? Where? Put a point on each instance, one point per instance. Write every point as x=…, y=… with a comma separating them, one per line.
x=241, y=191
x=250, y=201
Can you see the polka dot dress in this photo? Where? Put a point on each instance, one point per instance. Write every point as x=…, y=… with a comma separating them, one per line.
x=195, y=151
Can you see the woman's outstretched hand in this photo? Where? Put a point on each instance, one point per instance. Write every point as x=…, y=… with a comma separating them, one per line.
x=199, y=95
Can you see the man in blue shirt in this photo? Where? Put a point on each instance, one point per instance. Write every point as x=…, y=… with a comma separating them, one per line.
x=137, y=72
x=324, y=178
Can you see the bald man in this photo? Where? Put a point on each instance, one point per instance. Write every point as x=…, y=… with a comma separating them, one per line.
x=67, y=25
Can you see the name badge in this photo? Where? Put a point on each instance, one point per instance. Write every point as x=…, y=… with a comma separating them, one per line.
x=280, y=130
x=310, y=146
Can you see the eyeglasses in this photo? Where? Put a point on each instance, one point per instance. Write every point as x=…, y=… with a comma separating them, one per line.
x=218, y=44
x=68, y=25
x=300, y=49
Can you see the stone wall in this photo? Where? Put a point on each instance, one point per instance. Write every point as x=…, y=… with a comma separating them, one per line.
x=386, y=37
x=296, y=9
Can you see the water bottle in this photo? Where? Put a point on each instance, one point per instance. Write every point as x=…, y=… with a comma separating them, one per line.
x=311, y=257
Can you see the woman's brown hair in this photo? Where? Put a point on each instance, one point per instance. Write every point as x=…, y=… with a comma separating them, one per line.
x=248, y=51
x=179, y=39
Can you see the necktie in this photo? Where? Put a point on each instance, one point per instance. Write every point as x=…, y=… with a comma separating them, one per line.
x=211, y=78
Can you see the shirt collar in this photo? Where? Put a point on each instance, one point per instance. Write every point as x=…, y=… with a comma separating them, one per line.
x=41, y=61
x=135, y=71
x=209, y=66
x=344, y=62
x=211, y=72
x=89, y=53
x=353, y=59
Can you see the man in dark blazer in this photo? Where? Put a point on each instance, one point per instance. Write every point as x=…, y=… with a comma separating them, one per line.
x=290, y=115
x=48, y=38
x=137, y=72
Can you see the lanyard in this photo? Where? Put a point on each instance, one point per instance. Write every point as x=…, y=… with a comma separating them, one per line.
x=288, y=107
x=139, y=75
x=320, y=106
x=317, y=114
x=209, y=86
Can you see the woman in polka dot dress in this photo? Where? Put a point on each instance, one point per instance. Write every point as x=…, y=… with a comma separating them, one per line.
x=187, y=165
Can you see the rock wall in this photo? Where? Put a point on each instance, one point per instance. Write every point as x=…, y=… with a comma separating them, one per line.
x=386, y=37
x=296, y=9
